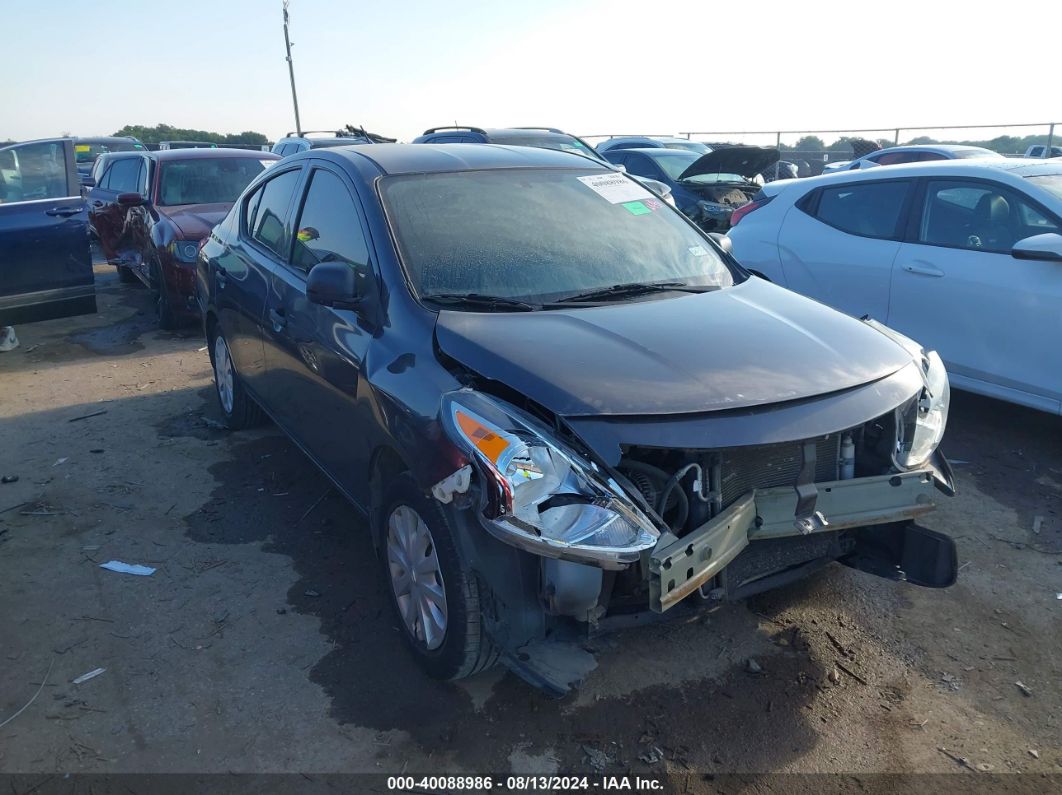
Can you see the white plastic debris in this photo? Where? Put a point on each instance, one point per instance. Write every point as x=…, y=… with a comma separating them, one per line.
x=89, y=675
x=60, y=461
x=127, y=568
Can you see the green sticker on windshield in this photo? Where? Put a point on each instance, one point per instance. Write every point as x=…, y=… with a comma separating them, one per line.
x=636, y=208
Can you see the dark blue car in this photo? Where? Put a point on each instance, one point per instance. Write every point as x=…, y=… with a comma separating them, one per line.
x=45, y=264
x=557, y=401
x=707, y=188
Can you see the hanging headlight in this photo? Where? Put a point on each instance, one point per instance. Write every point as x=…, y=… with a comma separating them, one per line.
x=542, y=496
x=922, y=425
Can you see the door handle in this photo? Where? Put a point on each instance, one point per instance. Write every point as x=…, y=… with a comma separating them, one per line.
x=97, y=203
x=923, y=270
x=63, y=212
x=276, y=317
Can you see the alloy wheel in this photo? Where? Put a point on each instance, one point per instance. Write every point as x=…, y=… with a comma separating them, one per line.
x=224, y=376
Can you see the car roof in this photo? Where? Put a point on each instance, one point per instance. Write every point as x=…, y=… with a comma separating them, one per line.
x=971, y=167
x=420, y=159
x=656, y=151
x=928, y=148
x=105, y=139
x=206, y=154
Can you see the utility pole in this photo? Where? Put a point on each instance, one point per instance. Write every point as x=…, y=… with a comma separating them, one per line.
x=291, y=72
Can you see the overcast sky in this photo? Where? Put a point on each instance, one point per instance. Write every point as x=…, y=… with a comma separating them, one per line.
x=88, y=68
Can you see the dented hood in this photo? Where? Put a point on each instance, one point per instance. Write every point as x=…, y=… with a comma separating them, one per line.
x=196, y=220
x=748, y=345
x=748, y=161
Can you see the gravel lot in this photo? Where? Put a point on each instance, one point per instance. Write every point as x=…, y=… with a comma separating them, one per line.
x=264, y=642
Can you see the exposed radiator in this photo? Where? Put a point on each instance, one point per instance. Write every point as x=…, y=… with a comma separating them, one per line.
x=747, y=468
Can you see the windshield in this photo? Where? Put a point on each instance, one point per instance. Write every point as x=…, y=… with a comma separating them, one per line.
x=207, y=180
x=88, y=152
x=541, y=235
x=675, y=161
x=689, y=146
x=560, y=143
x=963, y=154
x=1049, y=182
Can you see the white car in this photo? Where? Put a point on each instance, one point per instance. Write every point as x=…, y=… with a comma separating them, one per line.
x=899, y=155
x=963, y=256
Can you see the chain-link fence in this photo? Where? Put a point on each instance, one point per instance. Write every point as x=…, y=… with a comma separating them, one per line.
x=808, y=152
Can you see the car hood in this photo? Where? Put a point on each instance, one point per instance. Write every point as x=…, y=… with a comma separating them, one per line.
x=196, y=220
x=749, y=345
x=748, y=161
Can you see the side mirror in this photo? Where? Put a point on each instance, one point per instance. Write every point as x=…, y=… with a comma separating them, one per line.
x=724, y=242
x=88, y=182
x=335, y=284
x=130, y=200
x=1047, y=246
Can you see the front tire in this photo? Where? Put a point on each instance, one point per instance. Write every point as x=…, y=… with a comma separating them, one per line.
x=164, y=313
x=434, y=594
x=238, y=408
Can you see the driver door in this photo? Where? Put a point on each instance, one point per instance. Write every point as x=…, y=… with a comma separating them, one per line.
x=994, y=319
x=45, y=264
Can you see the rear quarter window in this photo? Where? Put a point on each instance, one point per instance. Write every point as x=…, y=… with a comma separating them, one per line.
x=867, y=209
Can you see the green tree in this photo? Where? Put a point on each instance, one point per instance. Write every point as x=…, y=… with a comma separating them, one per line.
x=166, y=132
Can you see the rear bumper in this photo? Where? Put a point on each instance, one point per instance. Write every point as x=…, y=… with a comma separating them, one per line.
x=680, y=566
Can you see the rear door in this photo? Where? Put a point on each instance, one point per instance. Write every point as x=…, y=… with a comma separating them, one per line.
x=314, y=353
x=838, y=243
x=995, y=320
x=45, y=264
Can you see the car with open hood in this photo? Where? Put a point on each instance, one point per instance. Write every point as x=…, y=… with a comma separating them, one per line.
x=707, y=188
x=149, y=211
x=559, y=403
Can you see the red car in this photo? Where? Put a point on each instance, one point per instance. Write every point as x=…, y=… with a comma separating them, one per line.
x=150, y=210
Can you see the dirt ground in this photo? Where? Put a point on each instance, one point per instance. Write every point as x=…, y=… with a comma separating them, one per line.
x=264, y=643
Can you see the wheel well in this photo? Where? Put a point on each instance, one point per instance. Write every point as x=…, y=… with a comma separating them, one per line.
x=386, y=464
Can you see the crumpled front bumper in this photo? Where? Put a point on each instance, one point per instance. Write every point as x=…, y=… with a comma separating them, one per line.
x=680, y=566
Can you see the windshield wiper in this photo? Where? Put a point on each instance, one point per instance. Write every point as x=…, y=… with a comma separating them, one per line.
x=634, y=288
x=476, y=299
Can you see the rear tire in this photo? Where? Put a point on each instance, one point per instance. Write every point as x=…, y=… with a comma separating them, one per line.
x=237, y=407
x=430, y=585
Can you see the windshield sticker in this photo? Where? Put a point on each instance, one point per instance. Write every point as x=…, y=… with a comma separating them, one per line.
x=615, y=188
x=636, y=208
x=654, y=204
x=81, y=147
x=267, y=163
x=698, y=251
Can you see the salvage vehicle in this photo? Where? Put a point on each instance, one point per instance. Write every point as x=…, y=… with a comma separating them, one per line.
x=706, y=188
x=963, y=255
x=539, y=137
x=560, y=403
x=314, y=139
x=45, y=262
x=652, y=142
x=150, y=210
x=898, y=155
x=86, y=150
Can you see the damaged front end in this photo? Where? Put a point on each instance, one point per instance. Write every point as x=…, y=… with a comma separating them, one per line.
x=627, y=518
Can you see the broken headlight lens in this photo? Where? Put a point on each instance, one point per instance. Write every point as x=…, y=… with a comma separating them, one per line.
x=547, y=499
x=922, y=424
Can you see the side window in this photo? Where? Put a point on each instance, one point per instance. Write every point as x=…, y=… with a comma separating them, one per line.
x=642, y=166
x=29, y=172
x=250, y=209
x=868, y=209
x=329, y=229
x=123, y=174
x=269, y=228
x=981, y=216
